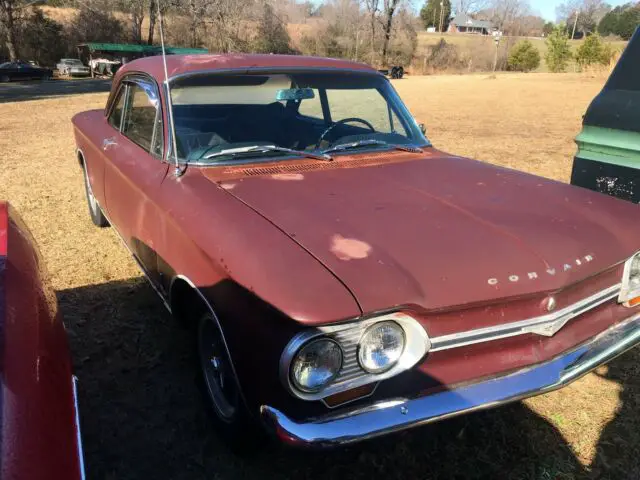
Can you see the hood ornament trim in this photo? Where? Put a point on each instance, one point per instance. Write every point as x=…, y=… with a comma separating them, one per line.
x=546, y=325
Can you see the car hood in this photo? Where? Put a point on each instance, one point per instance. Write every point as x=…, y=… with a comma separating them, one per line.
x=438, y=231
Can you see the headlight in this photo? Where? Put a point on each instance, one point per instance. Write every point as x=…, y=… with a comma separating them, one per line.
x=631, y=280
x=316, y=365
x=381, y=347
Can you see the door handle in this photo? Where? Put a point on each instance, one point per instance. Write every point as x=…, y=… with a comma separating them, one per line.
x=108, y=142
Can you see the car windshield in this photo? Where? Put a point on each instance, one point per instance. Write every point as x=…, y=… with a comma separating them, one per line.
x=72, y=61
x=231, y=118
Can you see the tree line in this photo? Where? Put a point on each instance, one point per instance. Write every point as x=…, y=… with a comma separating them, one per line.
x=377, y=31
x=380, y=32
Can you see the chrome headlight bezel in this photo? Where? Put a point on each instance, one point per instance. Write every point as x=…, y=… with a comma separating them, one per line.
x=370, y=331
x=630, y=289
x=308, y=345
x=348, y=336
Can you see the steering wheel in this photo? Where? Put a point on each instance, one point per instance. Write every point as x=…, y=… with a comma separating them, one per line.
x=341, y=122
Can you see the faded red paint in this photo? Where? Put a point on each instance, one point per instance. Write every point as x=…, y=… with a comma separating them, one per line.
x=282, y=246
x=4, y=220
x=39, y=438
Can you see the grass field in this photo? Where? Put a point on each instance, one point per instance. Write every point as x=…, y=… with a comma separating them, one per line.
x=485, y=45
x=140, y=412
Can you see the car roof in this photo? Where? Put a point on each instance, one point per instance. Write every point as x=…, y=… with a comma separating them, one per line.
x=184, y=64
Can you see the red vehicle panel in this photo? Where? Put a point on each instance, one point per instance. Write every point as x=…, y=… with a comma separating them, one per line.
x=341, y=271
x=40, y=432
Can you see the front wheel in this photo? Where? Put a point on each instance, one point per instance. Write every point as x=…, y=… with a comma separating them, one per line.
x=97, y=217
x=221, y=389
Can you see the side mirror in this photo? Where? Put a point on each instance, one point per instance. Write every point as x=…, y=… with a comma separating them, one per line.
x=423, y=129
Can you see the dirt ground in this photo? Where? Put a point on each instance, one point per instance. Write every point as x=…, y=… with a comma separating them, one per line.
x=140, y=410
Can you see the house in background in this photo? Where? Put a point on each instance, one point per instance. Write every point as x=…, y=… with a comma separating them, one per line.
x=465, y=24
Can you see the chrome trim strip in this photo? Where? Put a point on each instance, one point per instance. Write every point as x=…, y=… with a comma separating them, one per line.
x=348, y=337
x=626, y=291
x=362, y=423
x=74, y=384
x=138, y=262
x=546, y=325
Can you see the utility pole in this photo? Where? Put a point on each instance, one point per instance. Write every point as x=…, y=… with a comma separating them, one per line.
x=441, y=15
x=496, y=38
x=575, y=24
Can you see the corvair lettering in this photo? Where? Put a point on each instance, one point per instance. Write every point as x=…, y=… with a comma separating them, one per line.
x=550, y=271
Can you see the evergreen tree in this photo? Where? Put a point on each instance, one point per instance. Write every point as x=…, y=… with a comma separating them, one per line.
x=431, y=13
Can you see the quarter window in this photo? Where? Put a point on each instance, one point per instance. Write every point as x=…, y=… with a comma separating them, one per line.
x=116, y=114
x=143, y=122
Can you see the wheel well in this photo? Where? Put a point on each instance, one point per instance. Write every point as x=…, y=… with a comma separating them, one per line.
x=186, y=303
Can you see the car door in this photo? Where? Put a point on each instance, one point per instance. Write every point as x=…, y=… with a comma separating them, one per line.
x=134, y=172
x=103, y=136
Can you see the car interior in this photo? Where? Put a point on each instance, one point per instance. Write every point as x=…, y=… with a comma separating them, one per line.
x=206, y=125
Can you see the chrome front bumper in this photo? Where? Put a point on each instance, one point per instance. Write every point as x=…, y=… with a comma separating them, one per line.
x=356, y=424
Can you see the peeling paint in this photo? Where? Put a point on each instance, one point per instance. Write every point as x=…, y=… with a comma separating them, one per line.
x=349, y=248
x=288, y=176
x=228, y=186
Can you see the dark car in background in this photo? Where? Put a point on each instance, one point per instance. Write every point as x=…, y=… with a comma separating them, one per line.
x=19, y=71
x=608, y=157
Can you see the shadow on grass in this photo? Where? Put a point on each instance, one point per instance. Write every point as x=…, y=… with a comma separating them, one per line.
x=21, y=91
x=143, y=417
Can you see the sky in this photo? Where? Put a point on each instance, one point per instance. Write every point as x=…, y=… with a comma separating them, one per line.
x=547, y=8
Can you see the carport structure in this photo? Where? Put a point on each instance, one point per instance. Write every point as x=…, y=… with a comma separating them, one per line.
x=106, y=58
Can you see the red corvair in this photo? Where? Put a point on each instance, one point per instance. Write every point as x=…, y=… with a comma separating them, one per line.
x=345, y=278
x=40, y=433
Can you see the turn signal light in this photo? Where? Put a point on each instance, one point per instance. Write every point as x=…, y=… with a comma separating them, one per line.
x=349, y=395
x=633, y=302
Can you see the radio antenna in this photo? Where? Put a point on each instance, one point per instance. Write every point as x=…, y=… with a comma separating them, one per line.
x=172, y=127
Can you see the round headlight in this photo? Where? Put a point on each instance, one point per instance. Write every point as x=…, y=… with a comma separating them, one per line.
x=316, y=365
x=381, y=347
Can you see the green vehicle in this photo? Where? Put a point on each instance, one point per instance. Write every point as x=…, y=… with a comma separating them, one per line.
x=608, y=157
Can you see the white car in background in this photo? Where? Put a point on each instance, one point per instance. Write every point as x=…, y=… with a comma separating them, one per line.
x=72, y=67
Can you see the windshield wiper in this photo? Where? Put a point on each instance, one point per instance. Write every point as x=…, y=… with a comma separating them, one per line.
x=267, y=149
x=367, y=143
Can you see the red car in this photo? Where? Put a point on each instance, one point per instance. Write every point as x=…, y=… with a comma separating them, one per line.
x=40, y=429
x=345, y=278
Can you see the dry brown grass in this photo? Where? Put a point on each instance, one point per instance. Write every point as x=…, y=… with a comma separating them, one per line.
x=139, y=415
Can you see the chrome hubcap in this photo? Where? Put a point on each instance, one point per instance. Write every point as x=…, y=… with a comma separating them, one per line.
x=216, y=370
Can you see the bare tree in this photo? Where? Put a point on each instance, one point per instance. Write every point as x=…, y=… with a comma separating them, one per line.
x=469, y=6
x=372, y=7
x=153, y=10
x=390, y=7
x=584, y=14
x=508, y=15
x=8, y=21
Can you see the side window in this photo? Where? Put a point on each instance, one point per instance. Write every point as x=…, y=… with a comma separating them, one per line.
x=311, y=107
x=142, y=121
x=116, y=113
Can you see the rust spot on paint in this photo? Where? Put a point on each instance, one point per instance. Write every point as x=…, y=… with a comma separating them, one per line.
x=288, y=176
x=349, y=248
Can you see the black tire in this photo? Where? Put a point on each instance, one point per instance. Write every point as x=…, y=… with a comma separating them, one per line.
x=95, y=212
x=221, y=390
x=400, y=72
x=5, y=78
